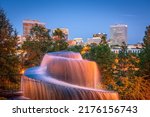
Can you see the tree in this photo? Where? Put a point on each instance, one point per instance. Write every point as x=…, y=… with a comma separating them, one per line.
x=39, y=33
x=59, y=40
x=104, y=57
x=145, y=55
x=123, y=61
x=103, y=40
x=125, y=79
x=146, y=38
x=38, y=43
x=75, y=48
x=9, y=60
x=126, y=64
x=58, y=34
x=59, y=45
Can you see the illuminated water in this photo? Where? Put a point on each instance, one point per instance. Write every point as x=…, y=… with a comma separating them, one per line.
x=64, y=75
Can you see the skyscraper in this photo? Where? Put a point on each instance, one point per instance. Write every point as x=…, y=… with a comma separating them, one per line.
x=28, y=24
x=118, y=34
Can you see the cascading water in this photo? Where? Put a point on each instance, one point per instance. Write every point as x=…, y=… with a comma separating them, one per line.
x=64, y=75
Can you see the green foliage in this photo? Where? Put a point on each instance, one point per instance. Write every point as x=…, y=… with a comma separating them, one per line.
x=103, y=40
x=125, y=79
x=33, y=53
x=39, y=33
x=145, y=62
x=38, y=43
x=146, y=38
x=9, y=60
x=145, y=55
x=76, y=48
x=134, y=88
x=58, y=34
x=103, y=56
x=59, y=45
x=127, y=63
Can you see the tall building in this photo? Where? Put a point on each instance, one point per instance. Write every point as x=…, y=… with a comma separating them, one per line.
x=118, y=34
x=28, y=24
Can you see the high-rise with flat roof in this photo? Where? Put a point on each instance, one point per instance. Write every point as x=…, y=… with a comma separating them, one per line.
x=28, y=24
x=118, y=34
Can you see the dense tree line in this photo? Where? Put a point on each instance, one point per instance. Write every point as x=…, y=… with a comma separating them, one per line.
x=9, y=60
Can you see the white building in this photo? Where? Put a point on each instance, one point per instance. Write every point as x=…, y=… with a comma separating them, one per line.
x=118, y=34
x=21, y=39
x=133, y=48
x=79, y=41
x=95, y=40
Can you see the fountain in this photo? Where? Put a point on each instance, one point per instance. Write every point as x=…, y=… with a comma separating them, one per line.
x=64, y=76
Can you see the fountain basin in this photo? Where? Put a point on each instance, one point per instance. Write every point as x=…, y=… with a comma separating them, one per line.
x=64, y=76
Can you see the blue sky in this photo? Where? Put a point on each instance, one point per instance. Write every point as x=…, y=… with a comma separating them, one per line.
x=83, y=18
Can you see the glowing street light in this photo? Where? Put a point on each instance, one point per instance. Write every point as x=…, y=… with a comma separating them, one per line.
x=22, y=71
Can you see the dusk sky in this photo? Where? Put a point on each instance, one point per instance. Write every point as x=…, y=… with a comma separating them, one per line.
x=83, y=18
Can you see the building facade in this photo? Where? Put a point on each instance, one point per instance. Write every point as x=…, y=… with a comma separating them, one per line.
x=96, y=38
x=28, y=24
x=79, y=41
x=132, y=48
x=21, y=39
x=100, y=35
x=118, y=34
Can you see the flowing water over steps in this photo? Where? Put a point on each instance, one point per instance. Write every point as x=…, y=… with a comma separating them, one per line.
x=64, y=76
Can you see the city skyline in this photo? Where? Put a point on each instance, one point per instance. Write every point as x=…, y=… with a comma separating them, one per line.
x=83, y=18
